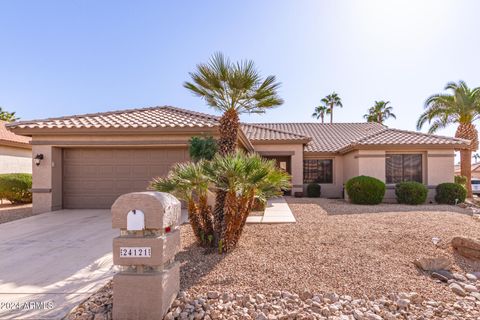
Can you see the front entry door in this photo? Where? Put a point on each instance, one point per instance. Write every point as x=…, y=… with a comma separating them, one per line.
x=284, y=163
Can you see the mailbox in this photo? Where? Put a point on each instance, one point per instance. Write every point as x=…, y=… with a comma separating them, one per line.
x=149, y=278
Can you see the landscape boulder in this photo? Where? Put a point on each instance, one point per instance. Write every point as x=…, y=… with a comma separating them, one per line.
x=433, y=263
x=467, y=247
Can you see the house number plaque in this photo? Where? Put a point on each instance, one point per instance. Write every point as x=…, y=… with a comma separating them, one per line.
x=135, y=252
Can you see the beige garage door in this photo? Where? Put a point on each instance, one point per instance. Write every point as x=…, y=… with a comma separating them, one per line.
x=94, y=177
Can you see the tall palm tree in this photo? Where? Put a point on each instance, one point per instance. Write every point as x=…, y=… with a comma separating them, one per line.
x=320, y=112
x=7, y=116
x=380, y=112
x=462, y=107
x=233, y=88
x=332, y=100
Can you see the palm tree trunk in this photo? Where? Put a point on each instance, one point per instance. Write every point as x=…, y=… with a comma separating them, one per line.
x=322, y=116
x=469, y=132
x=229, y=126
x=331, y=113
x=465, y=168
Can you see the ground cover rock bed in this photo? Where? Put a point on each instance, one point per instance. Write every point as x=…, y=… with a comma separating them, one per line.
x=337, y=262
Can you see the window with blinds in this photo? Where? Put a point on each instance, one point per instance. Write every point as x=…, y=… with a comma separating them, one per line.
x=403, y=167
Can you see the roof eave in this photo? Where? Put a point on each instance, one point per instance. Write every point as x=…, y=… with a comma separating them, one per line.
x=403, y=146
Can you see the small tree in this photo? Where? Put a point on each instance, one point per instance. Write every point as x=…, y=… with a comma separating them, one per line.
x=320, y=112
x=380, y=112
x=202, y=148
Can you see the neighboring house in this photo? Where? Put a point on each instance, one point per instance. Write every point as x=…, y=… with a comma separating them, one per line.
x=475, y=170
x=89, y=160
x=15, y=152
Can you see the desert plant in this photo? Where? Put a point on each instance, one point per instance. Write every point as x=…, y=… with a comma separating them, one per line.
x=365, y=190
x=461, y=107
x=320, y=112
x=380, y=112
x=411, y=192
x=450, y=193
x=202, y=148
x=461, y=180
x=243, y=178
x=16, y=187
x=332, y=100
x=7, y=116
x=313, y=190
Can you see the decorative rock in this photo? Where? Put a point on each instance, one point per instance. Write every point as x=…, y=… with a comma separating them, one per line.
x=459, y=277
x=438, y=276
x=357, y=314
x=447, y=274
x=467, y=247
x=213, y=294
x=471, y=277
x=457, y=289
x=476, y=295
x=433, y=264
x=403, y=303
x=470, y=288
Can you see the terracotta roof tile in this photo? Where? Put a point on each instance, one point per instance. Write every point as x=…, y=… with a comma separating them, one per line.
x=403, y=137
x=256, y=132
x=155, y=117
x=328, y=137
x=10, y=137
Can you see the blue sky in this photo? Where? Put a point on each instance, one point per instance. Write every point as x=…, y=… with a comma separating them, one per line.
x=72, y=57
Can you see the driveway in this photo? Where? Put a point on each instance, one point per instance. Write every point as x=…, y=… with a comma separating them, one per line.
x=51, y=262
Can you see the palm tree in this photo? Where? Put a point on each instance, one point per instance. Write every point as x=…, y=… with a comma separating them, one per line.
x=243, y=177
x=320, y=112
x=233, y=88
x=380, y=112
x=332, y=100
x=7, y=116
x=462, y=107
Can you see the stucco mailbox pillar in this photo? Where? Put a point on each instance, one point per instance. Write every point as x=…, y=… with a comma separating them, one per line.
x=149, y=278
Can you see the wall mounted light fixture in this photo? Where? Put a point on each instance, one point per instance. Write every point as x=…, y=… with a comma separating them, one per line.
x=38, y=158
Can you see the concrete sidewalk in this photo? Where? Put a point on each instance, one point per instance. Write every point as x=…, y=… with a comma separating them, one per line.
x=51, y=262
x=277, y=211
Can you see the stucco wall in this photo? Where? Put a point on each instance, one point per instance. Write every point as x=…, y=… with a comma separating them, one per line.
x=15, y=160
x=296, y=159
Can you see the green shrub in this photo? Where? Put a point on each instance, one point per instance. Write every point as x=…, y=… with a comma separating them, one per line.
x=461, y=180
x=365, y=190
x=450, y=193
x=314, y=190
x=15, y=187
x=411, y=192
x=202, y=148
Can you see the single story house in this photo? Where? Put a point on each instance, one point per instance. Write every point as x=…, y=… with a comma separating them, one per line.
x=15, y=152
x=89, y=160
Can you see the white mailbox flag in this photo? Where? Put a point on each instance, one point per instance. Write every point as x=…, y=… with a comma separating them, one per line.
x=135, y=220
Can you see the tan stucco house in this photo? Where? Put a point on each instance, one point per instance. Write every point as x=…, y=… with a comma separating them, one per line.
x=89, y=160
x=15, y=152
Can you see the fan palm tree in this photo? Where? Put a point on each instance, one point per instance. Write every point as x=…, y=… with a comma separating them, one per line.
x=233, y=88
x=462, y=107
x=332, y=100
x=380, y=112
x=7, y=116
x=320, y=112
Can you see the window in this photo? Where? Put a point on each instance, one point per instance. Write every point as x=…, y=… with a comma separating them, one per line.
x=320, y=171
x=403, y=167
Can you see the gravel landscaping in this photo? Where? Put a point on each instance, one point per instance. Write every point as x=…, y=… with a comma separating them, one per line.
x=339, y=260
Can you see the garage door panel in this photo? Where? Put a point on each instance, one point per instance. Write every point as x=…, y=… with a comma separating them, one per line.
x=96, y=177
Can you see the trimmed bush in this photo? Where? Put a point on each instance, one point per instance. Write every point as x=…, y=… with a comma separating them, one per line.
x=314, y=190
x=15, y=187
x=365, y=190
x=448, y=193
x=411, y=192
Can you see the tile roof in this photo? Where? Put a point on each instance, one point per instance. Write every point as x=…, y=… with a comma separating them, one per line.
x=327, y=137
x=10, y=137
x=155, y=117
x=256, y=132
x=404, y=137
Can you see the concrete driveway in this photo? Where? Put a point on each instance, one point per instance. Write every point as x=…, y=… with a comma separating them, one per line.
x=51, y=262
